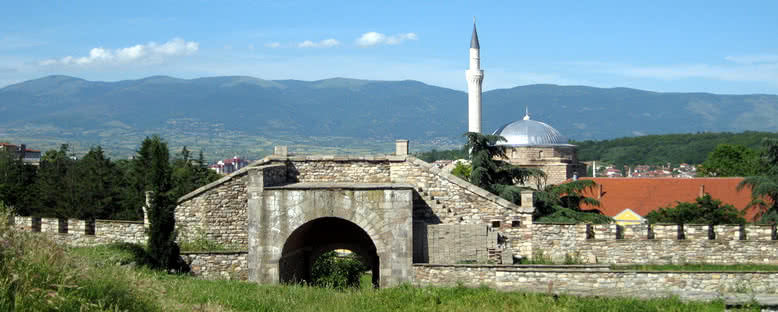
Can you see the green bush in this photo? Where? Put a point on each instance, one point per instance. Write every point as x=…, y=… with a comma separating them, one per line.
x=331, y=270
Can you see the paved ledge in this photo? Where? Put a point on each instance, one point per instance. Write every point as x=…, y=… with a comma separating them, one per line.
x=518, y=266
x=118, y=221
x=215, y=252
x=344, y=186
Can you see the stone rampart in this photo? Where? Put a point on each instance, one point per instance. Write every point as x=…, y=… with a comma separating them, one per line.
x=232, y=265
x=566, y=280
x=73, y=232
x=217, y=212
x=657, y=244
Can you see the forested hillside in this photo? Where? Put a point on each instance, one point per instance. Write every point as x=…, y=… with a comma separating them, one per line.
x=247, y=116
x=661, y=149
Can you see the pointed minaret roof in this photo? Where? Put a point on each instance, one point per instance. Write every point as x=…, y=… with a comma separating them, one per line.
x=474, y=40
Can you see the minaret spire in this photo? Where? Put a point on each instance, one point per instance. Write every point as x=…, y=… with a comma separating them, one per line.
x=475, y=76
x=526, y=112
x=474, y=38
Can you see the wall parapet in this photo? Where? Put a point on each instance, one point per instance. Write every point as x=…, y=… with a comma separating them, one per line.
x=660, y=231
x=75, y=232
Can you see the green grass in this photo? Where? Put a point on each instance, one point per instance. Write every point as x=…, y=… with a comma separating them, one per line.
x=747, y=267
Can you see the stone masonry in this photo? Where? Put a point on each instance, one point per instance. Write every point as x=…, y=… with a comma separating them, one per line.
x=565, y=280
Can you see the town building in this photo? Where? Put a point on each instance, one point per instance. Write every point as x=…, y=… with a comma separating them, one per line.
x=229, y=165
x=629, y=200
x=29, y=156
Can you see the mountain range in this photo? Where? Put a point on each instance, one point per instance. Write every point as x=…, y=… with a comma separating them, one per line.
x=228, y=115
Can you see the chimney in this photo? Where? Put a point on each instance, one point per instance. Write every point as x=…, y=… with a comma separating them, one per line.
x=527, y=199
x=594, y=168
x=401, y=147
x=702, y=190
x=281, y=150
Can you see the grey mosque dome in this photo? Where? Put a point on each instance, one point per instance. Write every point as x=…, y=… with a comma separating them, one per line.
x=527, y=132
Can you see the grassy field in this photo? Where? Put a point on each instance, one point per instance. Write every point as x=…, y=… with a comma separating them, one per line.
x=38, y=275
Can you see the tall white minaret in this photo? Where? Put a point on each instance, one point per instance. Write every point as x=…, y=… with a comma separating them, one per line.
x=475, y=76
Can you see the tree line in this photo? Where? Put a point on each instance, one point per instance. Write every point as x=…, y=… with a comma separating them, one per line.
x=94, y=186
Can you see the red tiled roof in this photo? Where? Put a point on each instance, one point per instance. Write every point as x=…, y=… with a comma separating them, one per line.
x=644, y=195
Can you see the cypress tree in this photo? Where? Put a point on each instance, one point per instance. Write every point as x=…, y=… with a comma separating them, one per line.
x=163, y=250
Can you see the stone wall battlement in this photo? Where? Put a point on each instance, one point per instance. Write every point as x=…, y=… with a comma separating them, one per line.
x=685, y=232
x=656, y=244
x=74, y=232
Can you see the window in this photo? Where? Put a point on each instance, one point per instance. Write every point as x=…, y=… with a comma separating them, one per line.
x=495, y=224
x=515, y=223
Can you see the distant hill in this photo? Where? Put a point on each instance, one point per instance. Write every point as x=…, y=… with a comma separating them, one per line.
x=692, y=148
x=248, y=115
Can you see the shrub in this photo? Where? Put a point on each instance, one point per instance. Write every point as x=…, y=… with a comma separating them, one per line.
x=331, y=270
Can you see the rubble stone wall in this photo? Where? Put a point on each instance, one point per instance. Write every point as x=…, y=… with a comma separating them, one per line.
x=515, y=278
x=231, y=265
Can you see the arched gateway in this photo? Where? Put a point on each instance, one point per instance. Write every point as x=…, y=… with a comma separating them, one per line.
x=291, y=225
x=316, y=237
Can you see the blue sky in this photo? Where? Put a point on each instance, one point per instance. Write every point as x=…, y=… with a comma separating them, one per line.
x=728, y=47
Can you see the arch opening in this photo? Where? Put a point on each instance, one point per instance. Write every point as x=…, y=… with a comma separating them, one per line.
x=316, y=237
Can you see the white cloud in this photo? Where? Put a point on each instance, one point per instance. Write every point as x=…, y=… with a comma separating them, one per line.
x=753, y=58
x=761, y=68
x=272, y=45
x=151, y=51
x=326, y=43
x=375, y=38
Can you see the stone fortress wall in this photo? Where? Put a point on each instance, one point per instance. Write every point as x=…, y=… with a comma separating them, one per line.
x=454, y=222
x=73, y=232
x=657, y=244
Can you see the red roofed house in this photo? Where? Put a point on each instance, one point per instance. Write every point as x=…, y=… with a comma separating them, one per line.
x=643, y=195
x=29, y=156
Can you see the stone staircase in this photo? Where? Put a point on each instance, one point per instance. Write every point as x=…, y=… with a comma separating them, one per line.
x=425, y=199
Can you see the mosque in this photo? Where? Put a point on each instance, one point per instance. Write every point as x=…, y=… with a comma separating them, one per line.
x=529, y=143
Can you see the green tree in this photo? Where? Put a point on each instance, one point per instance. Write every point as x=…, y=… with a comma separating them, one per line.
x=56, y=196
x=189, y=174
x=163, y=250
x=728, y=160
x=491, y=173
x=462, y=171
x=764, y=187
x=97, y=181
x=562, y=203
x=17, y=182
x=704, y=210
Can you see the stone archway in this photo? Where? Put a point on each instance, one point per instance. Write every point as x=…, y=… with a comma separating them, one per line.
x=284, y=219
x=316, y=237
